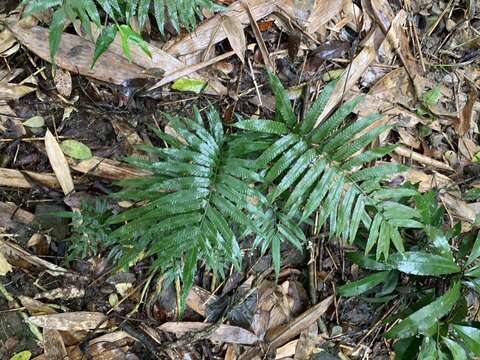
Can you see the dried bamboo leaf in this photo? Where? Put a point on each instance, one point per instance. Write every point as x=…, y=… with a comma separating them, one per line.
x=59, y=163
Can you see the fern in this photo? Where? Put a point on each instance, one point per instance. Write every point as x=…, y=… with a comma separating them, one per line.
x=312, y=170
x=198, y=197
x=180, y=13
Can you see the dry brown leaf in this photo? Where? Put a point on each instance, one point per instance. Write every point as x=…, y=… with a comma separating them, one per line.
x=15, y=254
x=73, y=321
x=307, y=343
x=230, y=354
x=392, y=27
x=458, y=208
x=324, y=11
x=14, y=91
x=35, y=307
x=258, y=36
x=53, y=345
x=465, y=121
x=59, y=163
x=408, y=139
x=7, y=40
x=236, y=37
x=17, y=178
x=283, y=334
x=5, y=266
x=189, y=70
x=422, y=159
x=350, y=77
x=224, y=333
x=107, y=168
x=198, y=298
x=287, y=350
x=428, y=181
x=210, y=31
x=75, y=55
x=68, y=292
x=63, y=82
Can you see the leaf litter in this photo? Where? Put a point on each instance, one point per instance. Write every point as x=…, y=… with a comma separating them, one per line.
x=415, y=65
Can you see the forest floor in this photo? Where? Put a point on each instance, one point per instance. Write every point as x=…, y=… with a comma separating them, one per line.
x=415, y=62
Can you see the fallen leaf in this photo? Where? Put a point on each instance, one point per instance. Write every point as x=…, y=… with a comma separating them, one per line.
x=75, y=54
x=258, y=36
x=234, y=30
x=59, y=163
x=224, y=333
x=5, y=267
x=23, y=355
x=72, y=321
x=63, y=82
x=54, y=345
x=14, y=91
x=465, y=120
x=193, y=85
x=34, y=122
x=76, y=149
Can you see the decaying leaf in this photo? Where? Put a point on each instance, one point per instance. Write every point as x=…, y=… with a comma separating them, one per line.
x=224, y=333
x=53, y=345
x=76, y=149
x=75, y=54
x=59, y=163
x=14, y=91
x=465, y=120
x=73, y=321
x=234, y=30
x=63, y=82
x=5, y=267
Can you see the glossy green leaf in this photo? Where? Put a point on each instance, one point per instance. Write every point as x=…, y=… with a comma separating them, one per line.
x=128, y=34
x=143, y=7
x=475, y=253
x=282, y=102
x=422, y=320
x=428, y=349
x=189, y=85
x=472, y=194
x=317, y=108
x=173, y=14
x=470, y=336
x=37, y=6
x=55, y=32
x=91, y=9
x=276, y=255
x=159, y=12
x=327, y=127
x=422, y=263
x=457, y=351
x=266, y=126
x=104, y=40
x=360, y=286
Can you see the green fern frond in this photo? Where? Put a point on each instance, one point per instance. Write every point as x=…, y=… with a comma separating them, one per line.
x=316, y=170
x=199, y=190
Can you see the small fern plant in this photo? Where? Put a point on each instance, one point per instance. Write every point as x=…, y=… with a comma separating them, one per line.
x=198, y=198
x=317, y=170
x=181, y=13
x=210, y=188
